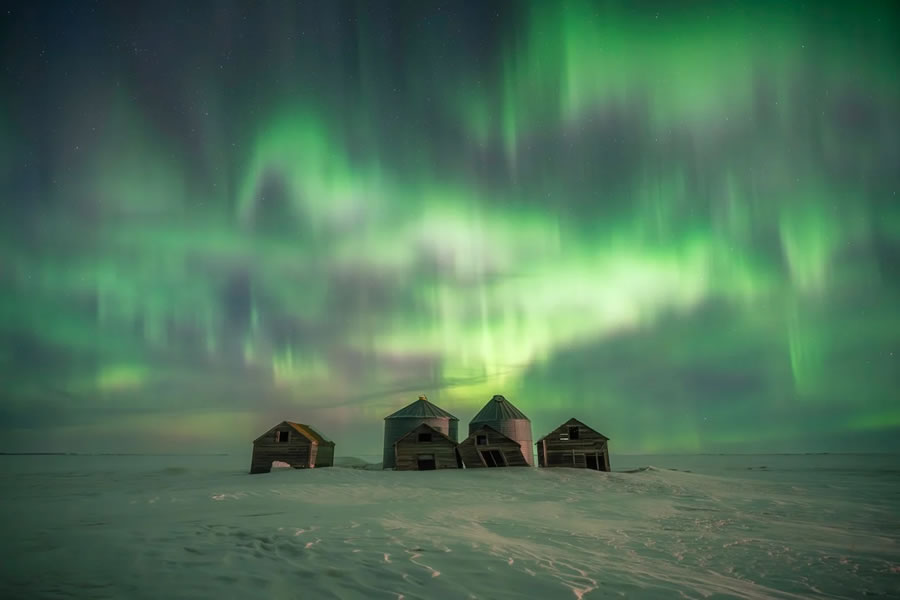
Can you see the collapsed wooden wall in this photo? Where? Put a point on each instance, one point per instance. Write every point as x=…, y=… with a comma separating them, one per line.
x=510, y=449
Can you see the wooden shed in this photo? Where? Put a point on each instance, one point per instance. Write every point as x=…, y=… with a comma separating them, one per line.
x=574, y=444
x=487, y=447
x=425, y=448
x=296, y=444
x=411, y=416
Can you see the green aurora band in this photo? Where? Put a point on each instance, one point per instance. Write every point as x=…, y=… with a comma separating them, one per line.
x=679, y=223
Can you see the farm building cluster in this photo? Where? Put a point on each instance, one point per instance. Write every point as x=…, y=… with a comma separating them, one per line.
x=423, y=437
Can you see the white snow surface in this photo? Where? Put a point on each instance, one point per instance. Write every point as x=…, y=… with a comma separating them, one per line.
x=789, y=526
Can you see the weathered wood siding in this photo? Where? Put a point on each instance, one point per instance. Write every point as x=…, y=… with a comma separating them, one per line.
x=297, y=451
x=325, y=456
x=510, y=449
x=556, y=452
x=408, y=449
x=297, y=454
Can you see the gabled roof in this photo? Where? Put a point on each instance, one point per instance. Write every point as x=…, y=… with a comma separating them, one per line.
x=498, y=408
x=421, y=408
x=306, y=431
x=309, y=432
x=430, y=429
x=572, y=421
x=491, y=430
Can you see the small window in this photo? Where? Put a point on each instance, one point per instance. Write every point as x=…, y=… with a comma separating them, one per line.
x=573, y=433
x=282, y=436
x=481, y=440
x=424, y=437
x=564, y=437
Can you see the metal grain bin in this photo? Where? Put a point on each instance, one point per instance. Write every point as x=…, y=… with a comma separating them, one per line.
x=500, y=414
x=409, y=417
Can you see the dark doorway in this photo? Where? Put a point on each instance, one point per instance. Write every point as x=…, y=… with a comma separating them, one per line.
x=426, y=462
x=592, y=462
x=493, y=458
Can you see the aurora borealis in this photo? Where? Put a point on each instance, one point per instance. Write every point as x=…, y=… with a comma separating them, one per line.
x=677, y=221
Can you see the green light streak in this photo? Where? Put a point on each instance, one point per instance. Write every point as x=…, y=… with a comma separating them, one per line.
x=679, y=227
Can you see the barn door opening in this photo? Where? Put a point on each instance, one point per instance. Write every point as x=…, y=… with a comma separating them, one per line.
x=593, y=462
x=426, y=462
x=492, y=458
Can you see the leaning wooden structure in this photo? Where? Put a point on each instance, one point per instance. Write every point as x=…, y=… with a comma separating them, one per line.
x=574, y=444
x=487, y=447
x=500, y=415
x=296, y=444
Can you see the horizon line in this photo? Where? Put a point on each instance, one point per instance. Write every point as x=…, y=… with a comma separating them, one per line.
x=360, y=456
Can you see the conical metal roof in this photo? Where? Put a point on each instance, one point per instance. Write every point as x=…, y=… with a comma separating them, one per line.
x=498, y=409
x=422, y=409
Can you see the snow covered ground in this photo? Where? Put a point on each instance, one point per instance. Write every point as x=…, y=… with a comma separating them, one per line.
x=200, y=527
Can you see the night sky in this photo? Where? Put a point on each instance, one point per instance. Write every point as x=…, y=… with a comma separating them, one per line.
x=676, y=221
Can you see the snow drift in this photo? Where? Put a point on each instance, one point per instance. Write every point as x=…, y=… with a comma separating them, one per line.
x=154, y=527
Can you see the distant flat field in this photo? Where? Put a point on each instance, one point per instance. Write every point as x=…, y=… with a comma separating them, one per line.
x=759, y=526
